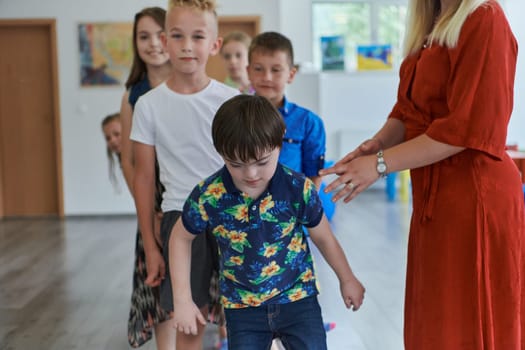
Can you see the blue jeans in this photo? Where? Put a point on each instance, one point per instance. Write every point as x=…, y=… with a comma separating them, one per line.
x=298, y=324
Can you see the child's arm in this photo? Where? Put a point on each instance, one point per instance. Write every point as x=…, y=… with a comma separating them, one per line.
x=352, y=290
x=186, y=312
x=317, y=181
x=144, y=187
x=126, y=156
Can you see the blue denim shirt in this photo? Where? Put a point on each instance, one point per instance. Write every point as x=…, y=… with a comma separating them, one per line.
x=304, y=143
x=263, y=252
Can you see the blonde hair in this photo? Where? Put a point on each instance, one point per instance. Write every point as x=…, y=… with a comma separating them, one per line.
x=237, y=36
x=423, y=28
x=203, y=5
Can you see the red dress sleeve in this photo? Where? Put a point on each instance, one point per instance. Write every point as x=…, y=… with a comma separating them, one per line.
x=479, y=91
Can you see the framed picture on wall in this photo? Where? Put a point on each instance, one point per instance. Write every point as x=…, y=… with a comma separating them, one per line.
x=106, y=52
x=333, y=52
x=374, y=57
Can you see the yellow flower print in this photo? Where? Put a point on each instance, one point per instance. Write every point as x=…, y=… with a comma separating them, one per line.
x=296, y=244
x=266, y=204
x=297, y=294
x=238, y=240
x=215, y=190
x=287, y=227
x=307, y=276
x=270, y=270
x=240, y=212
x=307, y=190
x=251, y=299
x=220, y=231
x=270, y=250
x=237, y=237
x=236, y=260
x=202, y=211
x=229, y=274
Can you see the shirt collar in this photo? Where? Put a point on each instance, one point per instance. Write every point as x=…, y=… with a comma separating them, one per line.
x=286, y=106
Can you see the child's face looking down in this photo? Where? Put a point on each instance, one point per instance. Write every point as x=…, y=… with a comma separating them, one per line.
x=235, y=54
x=269, y=72
x=191, y=37
x=112, y=131
x=149, y=43
x=252, y=177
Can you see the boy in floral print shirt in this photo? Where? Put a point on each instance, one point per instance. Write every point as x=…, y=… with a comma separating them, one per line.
x=256, y=209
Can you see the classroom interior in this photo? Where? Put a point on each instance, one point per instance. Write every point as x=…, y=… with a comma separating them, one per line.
x=65, y=279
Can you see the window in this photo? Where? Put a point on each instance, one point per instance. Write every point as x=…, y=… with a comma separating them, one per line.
x=360, y=23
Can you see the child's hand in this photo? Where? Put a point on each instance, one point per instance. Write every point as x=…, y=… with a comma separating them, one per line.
x=184, y=317
x=156, y=268
x=353, y=293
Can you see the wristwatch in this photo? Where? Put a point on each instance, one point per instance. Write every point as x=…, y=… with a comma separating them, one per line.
x=381, y=165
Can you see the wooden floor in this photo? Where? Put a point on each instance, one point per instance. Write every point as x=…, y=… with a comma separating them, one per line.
x=66, y=284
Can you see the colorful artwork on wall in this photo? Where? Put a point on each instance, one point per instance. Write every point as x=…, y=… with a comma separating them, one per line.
x=333, y=52
x=373, y=57
x=106, y=52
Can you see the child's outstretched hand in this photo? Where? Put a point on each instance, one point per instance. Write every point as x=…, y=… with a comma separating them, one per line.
x=353, y=293
x=185, y=317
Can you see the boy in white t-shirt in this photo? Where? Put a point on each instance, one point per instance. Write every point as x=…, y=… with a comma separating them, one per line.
x=173, y=121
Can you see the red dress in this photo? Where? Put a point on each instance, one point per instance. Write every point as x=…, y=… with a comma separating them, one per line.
x=466, y=254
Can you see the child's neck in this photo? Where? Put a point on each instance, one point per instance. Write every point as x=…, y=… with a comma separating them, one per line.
x=243, y=83
x=188, y=83
x=158, y=74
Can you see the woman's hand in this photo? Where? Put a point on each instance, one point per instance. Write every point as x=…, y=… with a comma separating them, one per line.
x=370, y=146
x=355, y=175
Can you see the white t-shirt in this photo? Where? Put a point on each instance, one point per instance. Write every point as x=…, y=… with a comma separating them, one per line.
x=179, y=127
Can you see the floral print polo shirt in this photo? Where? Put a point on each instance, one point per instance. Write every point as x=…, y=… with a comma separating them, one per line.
x=263, y=252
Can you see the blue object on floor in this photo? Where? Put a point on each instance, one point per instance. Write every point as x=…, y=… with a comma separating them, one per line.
x=391, y=186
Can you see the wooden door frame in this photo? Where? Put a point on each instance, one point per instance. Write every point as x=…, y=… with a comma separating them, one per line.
x=49, y=23
x=247, y=19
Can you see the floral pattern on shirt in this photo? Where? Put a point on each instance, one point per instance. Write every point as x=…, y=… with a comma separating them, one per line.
x=264, y=254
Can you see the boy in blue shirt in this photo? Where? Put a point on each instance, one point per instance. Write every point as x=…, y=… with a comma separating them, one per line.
x=256, y=209
x=270, y=68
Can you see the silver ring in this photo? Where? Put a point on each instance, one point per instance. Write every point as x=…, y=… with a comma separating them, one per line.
x=351, y=186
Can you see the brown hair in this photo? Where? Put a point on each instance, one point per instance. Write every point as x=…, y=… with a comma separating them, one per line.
x=111, y=159
x=270, y=42
x=245, y=126
x=138, y=67
x=237, y=36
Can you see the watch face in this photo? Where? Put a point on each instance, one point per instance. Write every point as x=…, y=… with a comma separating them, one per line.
x=381, y=168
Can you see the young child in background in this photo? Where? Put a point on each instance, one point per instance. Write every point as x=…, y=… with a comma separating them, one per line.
x=234, y=51
x=150, y=67
x=173, y=122
x=256, y=210
x=271, y=67
x=112, y=130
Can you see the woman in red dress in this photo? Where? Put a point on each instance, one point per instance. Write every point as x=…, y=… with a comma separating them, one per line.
x=466, y=255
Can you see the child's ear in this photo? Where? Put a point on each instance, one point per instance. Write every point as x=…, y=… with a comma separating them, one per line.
x=216, y=47
x=293, y=70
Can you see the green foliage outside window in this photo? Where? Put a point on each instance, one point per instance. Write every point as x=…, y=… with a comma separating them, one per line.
x=361, y=23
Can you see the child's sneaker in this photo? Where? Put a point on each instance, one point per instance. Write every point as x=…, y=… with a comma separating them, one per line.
x=328, y=326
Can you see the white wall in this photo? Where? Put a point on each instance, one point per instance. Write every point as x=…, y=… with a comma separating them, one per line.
x=348, y=102
x=516, y=133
